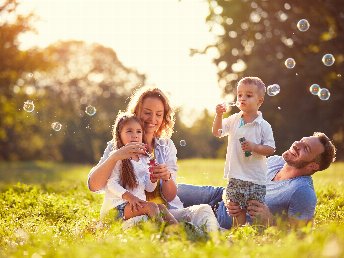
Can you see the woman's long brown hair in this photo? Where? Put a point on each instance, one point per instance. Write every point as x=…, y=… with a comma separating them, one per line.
x=127, y=176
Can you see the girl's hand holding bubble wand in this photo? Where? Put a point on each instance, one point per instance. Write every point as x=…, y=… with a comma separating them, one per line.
x=152, y=163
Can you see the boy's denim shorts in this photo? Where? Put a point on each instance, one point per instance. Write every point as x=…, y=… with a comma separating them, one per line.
x=242, y=191
x=120, y=209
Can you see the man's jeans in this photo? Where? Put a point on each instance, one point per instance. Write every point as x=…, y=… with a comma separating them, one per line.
x=194, y=195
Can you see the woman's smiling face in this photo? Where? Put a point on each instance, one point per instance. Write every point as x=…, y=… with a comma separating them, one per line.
x=152, y=114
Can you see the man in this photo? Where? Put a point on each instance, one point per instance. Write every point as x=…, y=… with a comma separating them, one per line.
x=290, y=194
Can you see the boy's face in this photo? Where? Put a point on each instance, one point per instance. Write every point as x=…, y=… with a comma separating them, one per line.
x=249, y=98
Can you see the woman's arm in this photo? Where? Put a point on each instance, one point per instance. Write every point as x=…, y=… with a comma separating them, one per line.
x=100, y=174
x=167, y=171
x=169, y=189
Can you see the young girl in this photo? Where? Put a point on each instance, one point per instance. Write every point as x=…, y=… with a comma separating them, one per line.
x=130, y=177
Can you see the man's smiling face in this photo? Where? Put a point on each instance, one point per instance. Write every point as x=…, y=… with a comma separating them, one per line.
x=303, y=152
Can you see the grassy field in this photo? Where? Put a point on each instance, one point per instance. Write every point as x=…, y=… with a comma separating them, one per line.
x=47, y=211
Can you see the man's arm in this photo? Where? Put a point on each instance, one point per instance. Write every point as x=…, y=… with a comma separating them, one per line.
x=302, y=206
x=300, y=213
x=260, y=212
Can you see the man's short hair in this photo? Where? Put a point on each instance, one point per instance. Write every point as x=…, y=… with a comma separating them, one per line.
x=329, y=155
x=255, y=81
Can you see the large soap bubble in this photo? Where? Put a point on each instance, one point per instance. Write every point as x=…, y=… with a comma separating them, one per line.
x=56, y=126
x=29, y=106
x=90, y=110
x=324, y=94
x=328, y=59
x=314, y=89
x=303, y=25
x=290, y=63
x=273, y=90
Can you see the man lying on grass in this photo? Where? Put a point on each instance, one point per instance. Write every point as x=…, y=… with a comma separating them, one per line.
x=290, y=194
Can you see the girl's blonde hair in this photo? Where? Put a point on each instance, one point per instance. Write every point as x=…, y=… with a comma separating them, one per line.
x=135, y=107
x=127, y=176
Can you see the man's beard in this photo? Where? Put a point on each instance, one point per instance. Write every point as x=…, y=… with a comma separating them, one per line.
x=296, y=164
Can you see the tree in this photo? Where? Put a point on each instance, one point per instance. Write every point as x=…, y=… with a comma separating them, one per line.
x=61, y=81
x=15, y=128
x=256, y=37
x=85, y=75
x=197, y=141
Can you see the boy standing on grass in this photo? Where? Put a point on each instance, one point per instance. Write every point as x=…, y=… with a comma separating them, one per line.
x=250, y=140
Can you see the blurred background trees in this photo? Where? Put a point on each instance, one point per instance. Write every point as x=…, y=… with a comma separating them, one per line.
x=254, y=38
x=61, y=81
x=15, y=64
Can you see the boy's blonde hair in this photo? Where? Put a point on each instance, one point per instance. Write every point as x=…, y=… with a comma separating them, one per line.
x=135, y=107
x=255, y=81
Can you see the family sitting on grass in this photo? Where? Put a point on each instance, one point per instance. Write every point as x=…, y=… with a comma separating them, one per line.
x=138, y=169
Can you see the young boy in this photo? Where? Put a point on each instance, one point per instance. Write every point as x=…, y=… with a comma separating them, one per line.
x=250, y=140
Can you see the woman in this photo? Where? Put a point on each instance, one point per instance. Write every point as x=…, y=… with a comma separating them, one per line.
x=153, y=108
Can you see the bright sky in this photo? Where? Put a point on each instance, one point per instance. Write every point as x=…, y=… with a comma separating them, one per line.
x=153, y=36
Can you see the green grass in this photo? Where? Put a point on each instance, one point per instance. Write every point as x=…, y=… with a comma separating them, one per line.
x=47, y=211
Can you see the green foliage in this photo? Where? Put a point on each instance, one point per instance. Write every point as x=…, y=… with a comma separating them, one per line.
x=47, y=211
x=84, y=74
x=61, y=80
x=14, y=65
x=200, y=143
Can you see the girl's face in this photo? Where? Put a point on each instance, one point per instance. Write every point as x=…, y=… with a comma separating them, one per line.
x=152, y=114
x=248, y=98
x=131, y=132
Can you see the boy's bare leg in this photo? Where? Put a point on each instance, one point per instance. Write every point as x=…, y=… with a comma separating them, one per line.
x=167, y=216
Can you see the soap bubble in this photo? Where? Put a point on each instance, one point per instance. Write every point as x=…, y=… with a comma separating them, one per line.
x=90, y=110
x=182, y=143
x=273, y=90
x=290, y=63
x=56, y=126
x=328, y=59
x=324, y=94
x=29, y=106
x=230, y=104
x=314, y=89
x=303, y=25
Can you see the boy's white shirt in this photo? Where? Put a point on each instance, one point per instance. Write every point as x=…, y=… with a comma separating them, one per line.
x=114, y=191
x=252, y=168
